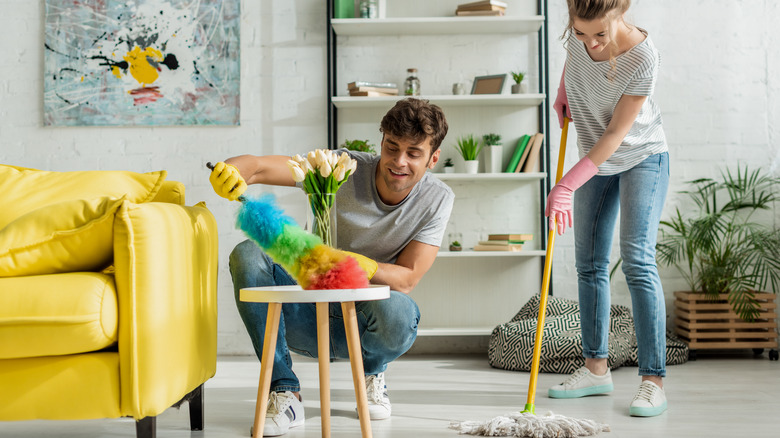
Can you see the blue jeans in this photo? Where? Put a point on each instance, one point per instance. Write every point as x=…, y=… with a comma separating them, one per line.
x=387, y=328
x=638, y=195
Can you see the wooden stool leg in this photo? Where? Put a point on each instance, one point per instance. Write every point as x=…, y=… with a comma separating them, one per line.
x=356, y=360
x=266, y=366
x=323, y=352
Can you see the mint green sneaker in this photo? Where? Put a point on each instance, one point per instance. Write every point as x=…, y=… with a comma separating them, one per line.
x=649, y=401
x=582, y=383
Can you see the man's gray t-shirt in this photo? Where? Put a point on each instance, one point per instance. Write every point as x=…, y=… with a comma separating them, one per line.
x=368, y=226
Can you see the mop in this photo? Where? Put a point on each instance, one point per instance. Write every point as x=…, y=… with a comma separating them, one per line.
x=313, y=264
x=525, y=423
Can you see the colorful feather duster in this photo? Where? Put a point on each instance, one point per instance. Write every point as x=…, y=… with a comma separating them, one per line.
x=302, y=254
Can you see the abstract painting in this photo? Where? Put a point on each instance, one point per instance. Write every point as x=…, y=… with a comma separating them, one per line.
x=142, y=62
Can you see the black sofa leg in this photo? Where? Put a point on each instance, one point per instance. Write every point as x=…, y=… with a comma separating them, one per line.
x=196, y=408
x=146, y=428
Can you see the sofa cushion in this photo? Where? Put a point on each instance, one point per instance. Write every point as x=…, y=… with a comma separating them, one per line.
x=68, y=236
x=29, y=189
x=50, y=315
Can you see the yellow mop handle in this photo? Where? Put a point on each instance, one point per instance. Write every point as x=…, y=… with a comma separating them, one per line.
x=529, y=406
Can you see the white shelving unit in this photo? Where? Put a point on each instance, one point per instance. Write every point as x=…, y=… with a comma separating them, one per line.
x=466, y=293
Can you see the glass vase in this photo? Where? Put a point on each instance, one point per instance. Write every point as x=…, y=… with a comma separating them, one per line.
x=321, y=217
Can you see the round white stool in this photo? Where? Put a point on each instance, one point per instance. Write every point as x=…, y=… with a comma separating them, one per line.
x=275, y=296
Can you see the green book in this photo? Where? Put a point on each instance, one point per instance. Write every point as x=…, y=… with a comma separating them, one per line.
x=343, y=8
x=521, y=144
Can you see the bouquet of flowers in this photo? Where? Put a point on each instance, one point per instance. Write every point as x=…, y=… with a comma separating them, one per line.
x=322, y=172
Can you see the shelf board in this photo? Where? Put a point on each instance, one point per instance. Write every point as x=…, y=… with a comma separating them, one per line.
x=518, y=100
x=437, y=25
x=522, y=176
x=464, y=331
x=523, y=253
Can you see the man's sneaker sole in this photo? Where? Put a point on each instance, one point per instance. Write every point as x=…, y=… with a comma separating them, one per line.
x=582, y=392
x=647, y=412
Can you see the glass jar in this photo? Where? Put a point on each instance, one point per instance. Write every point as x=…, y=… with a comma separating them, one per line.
x=369, y=9
x=412, y=83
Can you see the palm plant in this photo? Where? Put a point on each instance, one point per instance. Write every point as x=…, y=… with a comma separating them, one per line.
x=721, y=248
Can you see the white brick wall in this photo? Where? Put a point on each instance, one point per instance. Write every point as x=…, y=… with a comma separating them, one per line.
x=719, y=93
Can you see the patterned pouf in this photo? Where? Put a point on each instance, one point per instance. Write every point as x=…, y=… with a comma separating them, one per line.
x=511, y=344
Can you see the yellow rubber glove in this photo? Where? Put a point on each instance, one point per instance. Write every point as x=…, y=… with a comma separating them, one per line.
x=365, y=263
x=227, y=181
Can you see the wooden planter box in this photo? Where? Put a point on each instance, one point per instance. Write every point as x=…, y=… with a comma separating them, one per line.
x=711, y=324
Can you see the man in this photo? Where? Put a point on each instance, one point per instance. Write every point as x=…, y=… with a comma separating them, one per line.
x=393, y=214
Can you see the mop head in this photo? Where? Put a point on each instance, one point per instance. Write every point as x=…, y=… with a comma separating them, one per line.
x=523, y=424
x=313, y=264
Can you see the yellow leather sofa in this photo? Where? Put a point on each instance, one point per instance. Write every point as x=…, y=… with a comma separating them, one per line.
x=108, y=296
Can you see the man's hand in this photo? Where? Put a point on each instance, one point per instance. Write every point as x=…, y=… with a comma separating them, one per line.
x=368, y=265
x=227, y=181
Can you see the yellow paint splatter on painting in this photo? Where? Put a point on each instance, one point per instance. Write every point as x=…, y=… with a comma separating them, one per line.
x=142, y=71
x=116, y=71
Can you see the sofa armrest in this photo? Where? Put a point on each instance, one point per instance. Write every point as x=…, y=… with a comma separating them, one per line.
x=166, y=279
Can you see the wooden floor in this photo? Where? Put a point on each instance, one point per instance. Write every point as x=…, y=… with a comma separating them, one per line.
x=718, y=395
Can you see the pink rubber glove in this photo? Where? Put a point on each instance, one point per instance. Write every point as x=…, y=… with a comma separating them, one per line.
x=559, y=203
x=562, y=102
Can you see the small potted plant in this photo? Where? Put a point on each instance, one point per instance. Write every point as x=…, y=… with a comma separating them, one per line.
x=469, y=148
x=449, y=166
x=493, y=151
x=359, y=145
x=519, y=87
x=455, y=246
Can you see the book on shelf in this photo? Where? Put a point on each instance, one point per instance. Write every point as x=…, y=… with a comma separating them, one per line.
x=482, y=5
x=501, y=242
x=511, y=247
x=534, y=143
x=519, y=149
x=517, y=236
x=494, y=13
x=372, y=93
x=385, y=90
x=532, y=162
x=358, y=84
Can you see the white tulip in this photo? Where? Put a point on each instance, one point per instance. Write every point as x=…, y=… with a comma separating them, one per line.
x=312, y=158
x=322, y=157
x=299, y=159
x=352, y=166
x=297, y=172
x=343, y=159
x=325, y=169
x=340, y=172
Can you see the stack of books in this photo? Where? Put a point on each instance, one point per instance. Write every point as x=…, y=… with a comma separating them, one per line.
x=503, y=242
x=372, y=89
x=485, y=7
x=526, y=155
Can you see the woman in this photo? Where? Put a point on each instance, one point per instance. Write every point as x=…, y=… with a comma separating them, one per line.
x=606, y=90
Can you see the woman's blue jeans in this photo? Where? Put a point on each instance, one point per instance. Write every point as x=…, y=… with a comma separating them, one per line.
x=638, y=196
x=387, y=328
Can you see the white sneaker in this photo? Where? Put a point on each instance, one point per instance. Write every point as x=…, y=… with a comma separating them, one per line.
x=284, y=411
x=379, y=406
x=581, y=384
x=649, y=401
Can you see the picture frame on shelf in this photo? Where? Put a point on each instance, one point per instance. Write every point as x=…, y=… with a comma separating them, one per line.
x=491, y=84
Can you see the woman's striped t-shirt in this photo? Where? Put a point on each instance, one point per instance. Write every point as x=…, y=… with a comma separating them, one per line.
x=594, y=89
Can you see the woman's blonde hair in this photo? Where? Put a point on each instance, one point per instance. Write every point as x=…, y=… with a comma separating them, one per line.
x=606, y=10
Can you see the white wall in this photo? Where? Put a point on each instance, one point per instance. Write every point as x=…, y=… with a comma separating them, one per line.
x=719, y=92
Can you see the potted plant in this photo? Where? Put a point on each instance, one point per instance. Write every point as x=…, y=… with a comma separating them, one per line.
x=519, y=87
x=359, y=145
x=726, y=256
x=469, y=148
x=494, y=152
x=449, y=166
